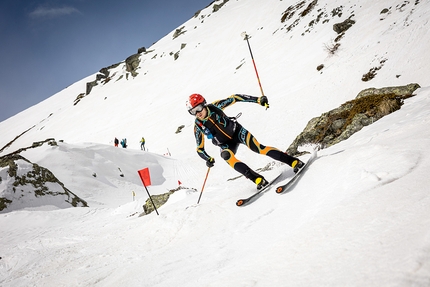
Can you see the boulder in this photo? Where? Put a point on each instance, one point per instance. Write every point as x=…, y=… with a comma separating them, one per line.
x=339, y=124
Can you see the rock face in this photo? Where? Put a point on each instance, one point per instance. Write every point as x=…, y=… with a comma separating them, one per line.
x=339, y=124
x=159, y=200
x=400, y=91
x=103, y=75
x=343, y=26
x=25, y=184
x=132, y=64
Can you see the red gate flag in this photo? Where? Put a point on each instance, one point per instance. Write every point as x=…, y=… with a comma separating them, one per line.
x=144, y=176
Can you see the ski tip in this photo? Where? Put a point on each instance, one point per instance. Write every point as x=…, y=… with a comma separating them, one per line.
x=239, y=202
x=279, y=189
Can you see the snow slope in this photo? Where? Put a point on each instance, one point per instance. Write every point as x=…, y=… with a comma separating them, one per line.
x=359, y=216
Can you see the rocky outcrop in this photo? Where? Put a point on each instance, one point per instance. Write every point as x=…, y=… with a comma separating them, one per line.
x=132, y=64
x=78, y=98
x=398, y=91
x=27, y=184
x=103, y=75
x=343, y=26
x=339, y=124
x=179, y=129
x=11, y=142
x=159, y=200
x=179, y=32
x=216, y=7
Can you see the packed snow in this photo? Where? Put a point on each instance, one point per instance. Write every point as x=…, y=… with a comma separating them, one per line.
x=359, y=216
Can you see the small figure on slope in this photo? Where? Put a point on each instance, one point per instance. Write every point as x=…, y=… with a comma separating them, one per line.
x=142, y=143
x=124, y=143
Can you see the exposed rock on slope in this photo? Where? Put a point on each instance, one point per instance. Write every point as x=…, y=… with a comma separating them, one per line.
x=25, y=184
x=339, y=124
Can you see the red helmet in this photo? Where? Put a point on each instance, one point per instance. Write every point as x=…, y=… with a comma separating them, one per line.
x=195, y=100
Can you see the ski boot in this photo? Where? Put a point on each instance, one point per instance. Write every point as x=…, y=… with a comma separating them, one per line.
x=297, y=165
x=259, y=180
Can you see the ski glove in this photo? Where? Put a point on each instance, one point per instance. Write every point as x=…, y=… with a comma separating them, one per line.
x=210, y=162
x=263, y=101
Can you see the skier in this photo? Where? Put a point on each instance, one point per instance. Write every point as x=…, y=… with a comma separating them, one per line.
x=227, y=133
x=116, y=142
x=142, y=144
x=124, y=143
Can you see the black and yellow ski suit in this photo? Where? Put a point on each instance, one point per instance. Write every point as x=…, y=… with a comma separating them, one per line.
x=227, y=133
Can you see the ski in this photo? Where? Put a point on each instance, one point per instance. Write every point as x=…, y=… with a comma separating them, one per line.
x=282, y=188
x=244, y=201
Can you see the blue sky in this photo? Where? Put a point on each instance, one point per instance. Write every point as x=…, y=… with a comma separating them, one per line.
x=47, y=45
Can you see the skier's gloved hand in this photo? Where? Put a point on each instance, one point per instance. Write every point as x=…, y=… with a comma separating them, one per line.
x=210, y=162
x=263, y=101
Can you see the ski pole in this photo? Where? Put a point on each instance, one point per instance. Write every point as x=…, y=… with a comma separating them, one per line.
x=253, y=62
x=201, y=192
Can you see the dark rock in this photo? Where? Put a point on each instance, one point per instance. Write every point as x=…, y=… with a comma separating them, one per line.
x=132, y=64
x=32, y=185
x=343, y=26
x=90, y=86
x=339, y=124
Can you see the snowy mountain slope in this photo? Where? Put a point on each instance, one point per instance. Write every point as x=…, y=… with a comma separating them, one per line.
x=103, y=171
x=208, y=64
x=359, y=216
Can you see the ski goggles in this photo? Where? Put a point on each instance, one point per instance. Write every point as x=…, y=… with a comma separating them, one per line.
x=196, y=109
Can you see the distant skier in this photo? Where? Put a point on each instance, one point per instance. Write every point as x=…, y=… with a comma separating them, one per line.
x=116, y=142
x=227, y=133
x=124, y=143
x=142, y=144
